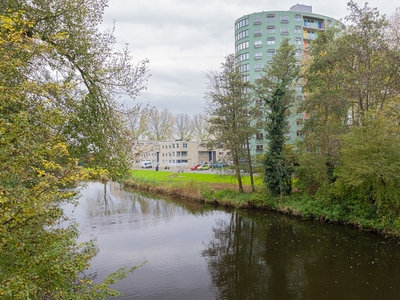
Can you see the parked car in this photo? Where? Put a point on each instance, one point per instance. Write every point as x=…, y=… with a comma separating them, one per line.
x=194, y=167
x=220, y=165
x=146, y=164
x=203, y=167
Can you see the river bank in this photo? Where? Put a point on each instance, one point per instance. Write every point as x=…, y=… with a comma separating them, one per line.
x=204, y=252
x=226, y=194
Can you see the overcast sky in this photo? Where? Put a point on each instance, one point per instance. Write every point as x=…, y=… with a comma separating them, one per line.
x=183, y=39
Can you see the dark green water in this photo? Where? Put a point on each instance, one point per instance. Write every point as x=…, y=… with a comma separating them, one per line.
x=197, y=252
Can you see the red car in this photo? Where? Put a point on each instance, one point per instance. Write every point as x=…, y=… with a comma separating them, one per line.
x=194, y=167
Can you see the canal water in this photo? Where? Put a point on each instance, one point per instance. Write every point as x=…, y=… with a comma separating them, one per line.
x=198, y=252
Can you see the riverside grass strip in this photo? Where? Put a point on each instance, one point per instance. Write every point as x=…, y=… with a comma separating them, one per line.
x=192, y=175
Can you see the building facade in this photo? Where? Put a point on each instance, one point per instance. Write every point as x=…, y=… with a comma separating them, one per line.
x=257, y=38
x=176, y=154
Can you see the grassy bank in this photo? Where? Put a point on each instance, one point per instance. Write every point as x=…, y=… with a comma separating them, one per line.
x=221, y=189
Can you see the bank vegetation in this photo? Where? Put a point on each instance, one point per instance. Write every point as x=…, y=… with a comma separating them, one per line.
x=220, y=189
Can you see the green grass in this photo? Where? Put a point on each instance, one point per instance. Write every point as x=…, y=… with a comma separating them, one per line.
x=191, y=176
x=192, y=185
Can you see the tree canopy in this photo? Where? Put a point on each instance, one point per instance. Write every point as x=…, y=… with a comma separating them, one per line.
x=59, y=79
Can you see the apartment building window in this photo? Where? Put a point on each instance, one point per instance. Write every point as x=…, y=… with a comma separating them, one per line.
x=177, y=145
x=271, y=41
x=270, y=29
x=184, y=145
x=258, y=102
x=246, y=78
x=299, y=121
x=258, y=55
x=311, y=35
x=298, y=41
x=270, y=18
x=257, y=44
x=257, y=67
x=298, y=88
x=257, y=21
x=173, y=146
x=244, y=68
x=242, y=23
x=241, y=35
x=284, y=19
x=297, y=18
x=184, y=154
x=298, y=52
x=259, y=147
x=242, y=46
x=308, y=23
x=244, y=56
x=257, y=32
x=259, y=136
x=270, y=52
x=284, y=30
x=297, y=29
x=299, y=133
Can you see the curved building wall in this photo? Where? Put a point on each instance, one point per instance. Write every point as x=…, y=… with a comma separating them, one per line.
x=258, y=37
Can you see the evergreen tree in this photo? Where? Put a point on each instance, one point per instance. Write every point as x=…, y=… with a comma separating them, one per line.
x=275, y=87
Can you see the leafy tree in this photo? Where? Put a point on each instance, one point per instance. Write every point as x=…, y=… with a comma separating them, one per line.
x=58, y=79
x=231, y=112
x=369, y=172
x=275, y=87
x=160, y=125
x=350, y=76
x=183, y=127
x=83, y=59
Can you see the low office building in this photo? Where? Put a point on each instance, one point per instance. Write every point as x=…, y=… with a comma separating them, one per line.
x=176, y=154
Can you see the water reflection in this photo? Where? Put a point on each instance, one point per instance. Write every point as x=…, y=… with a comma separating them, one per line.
x=255, y=255
x=199, y=252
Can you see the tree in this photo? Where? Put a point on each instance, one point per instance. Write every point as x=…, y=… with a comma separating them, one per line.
x=368, y=176
x=394, y=29
x=349, y=76
x=80, y=57
x=201, y=128
x=231, y=112
x=183, y=127
x=160, y=125
x=137, y=118
x=58, y=79
x=275, y=87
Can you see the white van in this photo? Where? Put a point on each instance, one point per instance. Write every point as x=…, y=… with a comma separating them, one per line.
x=146, y=164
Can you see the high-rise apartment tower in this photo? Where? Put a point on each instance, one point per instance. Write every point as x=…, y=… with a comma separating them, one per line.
x=257, y=38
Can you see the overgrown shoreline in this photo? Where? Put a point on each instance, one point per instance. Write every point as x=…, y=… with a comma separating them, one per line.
x=222, y=194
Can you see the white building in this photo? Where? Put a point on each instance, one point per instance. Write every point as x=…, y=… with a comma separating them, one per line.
x=176, y=154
